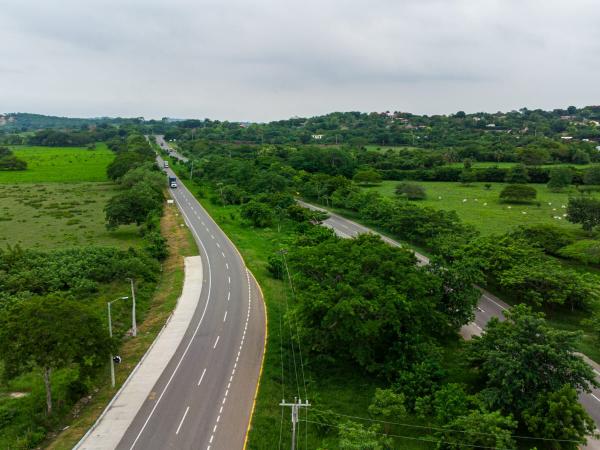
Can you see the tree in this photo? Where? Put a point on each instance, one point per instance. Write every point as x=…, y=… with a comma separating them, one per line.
x=580, y=157
x=592, y=175
x=533, y=155
x=8, y=161
x=522, y=358
x=259, y=214
x=517, y=174
x=518, y=193
x=479, y=429
x=367, y=176
x=122, y=163
x=388, y=405
x=585, y=211
x=560, y=177
x=467, y=176
x=559, y=415
x=132, y=206
x=48, y=334
x=354, y=436
x=411, y=191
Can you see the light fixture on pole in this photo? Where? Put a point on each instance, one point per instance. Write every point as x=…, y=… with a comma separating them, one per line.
x=112, y=360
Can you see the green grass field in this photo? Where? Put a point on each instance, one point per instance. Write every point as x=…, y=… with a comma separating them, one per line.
x=52, y=215
x=60, y=164
x=480, y=207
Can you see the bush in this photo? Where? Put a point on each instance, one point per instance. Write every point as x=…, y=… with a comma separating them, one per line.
x=560, y=177
x=259, y=214
x=586, y=251
x=518, y=193
x=592, y=175
x=549, y=237
x=411, y=191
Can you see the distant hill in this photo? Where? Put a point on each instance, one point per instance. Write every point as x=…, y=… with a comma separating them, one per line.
x=29, y=122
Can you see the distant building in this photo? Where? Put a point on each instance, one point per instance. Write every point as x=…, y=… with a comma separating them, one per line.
x=318, y=137
x=566, y=138
x=491, y=125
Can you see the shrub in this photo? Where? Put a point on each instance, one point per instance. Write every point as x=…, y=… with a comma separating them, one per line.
x=411, y=191
x=592, y=175
x=586, y=251
x=518, y=193
x=560, y=177
x=549, y=237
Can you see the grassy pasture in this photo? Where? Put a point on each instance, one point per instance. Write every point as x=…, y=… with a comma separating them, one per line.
x=480, y=207
x=53, y=215
x=60, y=164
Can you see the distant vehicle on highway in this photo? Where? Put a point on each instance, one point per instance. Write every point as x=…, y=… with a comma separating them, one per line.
x=166, y=164
x=172, y=182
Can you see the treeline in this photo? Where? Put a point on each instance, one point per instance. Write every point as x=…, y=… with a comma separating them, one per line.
x=401, y=128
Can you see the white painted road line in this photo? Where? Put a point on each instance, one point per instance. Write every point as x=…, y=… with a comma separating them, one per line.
x=182, y=419
x=229, y=279
x=216, y=342
x=201, y=377
x=495, y=303
x=228, y=295
x=595, y=397
x=225, y=317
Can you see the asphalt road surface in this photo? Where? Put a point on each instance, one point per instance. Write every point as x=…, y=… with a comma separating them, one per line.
x=488, y=306
x=204, y=398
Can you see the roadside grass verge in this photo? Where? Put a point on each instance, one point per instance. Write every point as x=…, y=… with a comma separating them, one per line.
x=164, y=299
x=60, y=164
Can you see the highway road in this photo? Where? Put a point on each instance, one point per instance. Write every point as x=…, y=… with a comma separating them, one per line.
x=160, y=140
x=204, y=398
x=488, y=306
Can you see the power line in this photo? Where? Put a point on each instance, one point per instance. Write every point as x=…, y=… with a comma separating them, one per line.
x=435, y=441
x=410, y=425
x=299, y=345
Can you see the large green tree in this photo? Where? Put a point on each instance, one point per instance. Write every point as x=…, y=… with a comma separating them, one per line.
x=522, y=358
x=559, y=415
x=585, y=211
x=132, y=205
x=49, y=333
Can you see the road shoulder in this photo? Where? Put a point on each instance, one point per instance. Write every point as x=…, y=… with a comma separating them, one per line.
x=118, y=415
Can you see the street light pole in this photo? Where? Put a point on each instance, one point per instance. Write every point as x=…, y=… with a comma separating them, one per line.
x=133, y=321
x=112, y=361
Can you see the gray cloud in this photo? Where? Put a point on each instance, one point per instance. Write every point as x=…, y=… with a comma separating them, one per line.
x=268, y=59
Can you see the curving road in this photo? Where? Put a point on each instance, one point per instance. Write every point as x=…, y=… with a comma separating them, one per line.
x=204, y=398
x=488, y=306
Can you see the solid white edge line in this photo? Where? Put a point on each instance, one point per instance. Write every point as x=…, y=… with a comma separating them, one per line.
x=182, y=419
x=191, y=339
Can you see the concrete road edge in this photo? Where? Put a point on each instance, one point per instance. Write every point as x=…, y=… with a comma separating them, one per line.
x=109, y=428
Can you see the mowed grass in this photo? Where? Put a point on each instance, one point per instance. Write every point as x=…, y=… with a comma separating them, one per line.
x=482, y=208
x=54, y=215
x=60, y=164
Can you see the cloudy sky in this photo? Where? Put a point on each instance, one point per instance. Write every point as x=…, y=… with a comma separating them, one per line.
x=268, y=59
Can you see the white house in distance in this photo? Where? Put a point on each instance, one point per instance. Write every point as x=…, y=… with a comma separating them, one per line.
x=318, y=137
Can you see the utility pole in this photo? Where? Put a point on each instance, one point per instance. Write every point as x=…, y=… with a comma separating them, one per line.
x=297, y=404
x=191, y=169
x=112, y=361
x=133, y=321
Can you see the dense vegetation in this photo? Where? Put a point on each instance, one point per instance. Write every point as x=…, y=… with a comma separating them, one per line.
x=52, y=306
x=363, y=304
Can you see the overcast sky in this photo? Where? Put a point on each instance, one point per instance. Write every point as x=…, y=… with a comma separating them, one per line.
x=260, y=60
